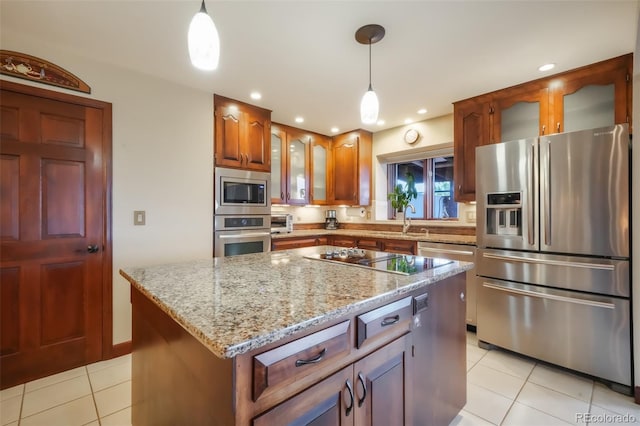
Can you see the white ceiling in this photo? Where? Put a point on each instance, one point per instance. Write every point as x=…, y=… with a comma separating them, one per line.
x=303, y=57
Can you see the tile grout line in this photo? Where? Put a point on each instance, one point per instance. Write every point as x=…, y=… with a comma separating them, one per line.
x=24, y=388
x=519, y=392
x=93, y=396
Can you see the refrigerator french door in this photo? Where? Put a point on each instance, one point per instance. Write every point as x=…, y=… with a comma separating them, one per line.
x=553, y=250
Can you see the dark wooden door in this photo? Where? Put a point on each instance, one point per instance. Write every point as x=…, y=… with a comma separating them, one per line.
x=52, y=237
x=382, y=383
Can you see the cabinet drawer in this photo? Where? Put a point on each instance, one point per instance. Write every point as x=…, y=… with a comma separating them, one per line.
x=400, y=246
x=383, y=319
x=300, y=357
x=369, y=244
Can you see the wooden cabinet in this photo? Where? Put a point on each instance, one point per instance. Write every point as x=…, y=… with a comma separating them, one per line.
x=367, y=243
x=321, y=167
x=471, y=128
x=596, y=95
x=352, y=168
x=241, y=138
x=399, y=246
x=383, y=386
x=297, y=242
x=328, y=403
x=290, y=170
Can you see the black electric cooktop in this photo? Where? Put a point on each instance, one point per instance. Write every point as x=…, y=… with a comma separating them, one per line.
x=403, y=264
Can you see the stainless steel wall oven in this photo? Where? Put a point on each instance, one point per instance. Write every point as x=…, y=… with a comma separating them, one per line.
x=242, y=212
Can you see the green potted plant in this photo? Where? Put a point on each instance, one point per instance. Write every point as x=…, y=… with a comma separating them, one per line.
x=401, y=197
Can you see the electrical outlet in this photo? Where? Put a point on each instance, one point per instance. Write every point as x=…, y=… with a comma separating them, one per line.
x=471, y=216
x=139, y=217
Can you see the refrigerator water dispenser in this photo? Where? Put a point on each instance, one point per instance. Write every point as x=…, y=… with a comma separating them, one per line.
x=504, y=213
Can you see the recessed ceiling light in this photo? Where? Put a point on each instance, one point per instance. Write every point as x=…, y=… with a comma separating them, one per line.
x=408, y=121
x=334, y=130
x=381, y=122
x=422, y=111
x=299, y=120
x=546, y=67
x=256, y=95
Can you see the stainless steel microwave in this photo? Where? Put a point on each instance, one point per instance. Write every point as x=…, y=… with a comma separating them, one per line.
x=241, y=192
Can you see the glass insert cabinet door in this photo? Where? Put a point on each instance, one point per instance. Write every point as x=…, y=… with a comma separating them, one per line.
x=319, y=176
x=297, y=192
x=278, y=191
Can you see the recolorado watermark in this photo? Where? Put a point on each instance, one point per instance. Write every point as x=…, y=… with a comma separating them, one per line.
x=605, y=418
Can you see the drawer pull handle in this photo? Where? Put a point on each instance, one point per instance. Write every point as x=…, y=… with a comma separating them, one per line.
x=390, y=320
x=364, y=390
x=314, y=360
x=350, y=407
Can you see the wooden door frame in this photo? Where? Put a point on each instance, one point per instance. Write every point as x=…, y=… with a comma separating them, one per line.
x=109, y=350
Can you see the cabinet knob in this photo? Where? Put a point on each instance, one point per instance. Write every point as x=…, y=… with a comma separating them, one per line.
x=282, y=196
x=462, y=296
x=558, y=127
x=350, y=406
x=544, y=128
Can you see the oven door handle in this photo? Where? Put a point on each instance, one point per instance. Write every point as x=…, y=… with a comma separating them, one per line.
x=531, y=293
x=244, y=235
x=548, y=262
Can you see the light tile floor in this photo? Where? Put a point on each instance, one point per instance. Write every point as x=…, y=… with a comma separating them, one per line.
x=502, y=389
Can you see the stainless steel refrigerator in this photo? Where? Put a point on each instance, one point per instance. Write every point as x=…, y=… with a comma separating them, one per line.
x=553, y=269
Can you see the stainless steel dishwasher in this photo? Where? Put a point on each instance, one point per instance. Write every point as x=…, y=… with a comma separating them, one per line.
x=462, y=252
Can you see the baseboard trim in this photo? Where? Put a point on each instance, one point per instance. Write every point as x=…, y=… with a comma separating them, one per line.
x=121, y=349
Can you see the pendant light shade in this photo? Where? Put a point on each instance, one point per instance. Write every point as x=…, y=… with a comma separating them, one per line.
x=203, y=40
x=369, y=106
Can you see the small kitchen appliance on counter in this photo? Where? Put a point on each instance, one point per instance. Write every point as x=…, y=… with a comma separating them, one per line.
x=281, y=223
x=330, y=220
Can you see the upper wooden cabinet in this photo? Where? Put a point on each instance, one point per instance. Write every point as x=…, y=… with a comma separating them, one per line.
x=320, y=173
x=592, y=96
x=352, y=168
x=242, y=135
x=290, y=155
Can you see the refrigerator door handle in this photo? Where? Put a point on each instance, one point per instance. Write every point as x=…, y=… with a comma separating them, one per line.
x=531, y=195
x=548, y=296
x=549, y=262
x=547, y=194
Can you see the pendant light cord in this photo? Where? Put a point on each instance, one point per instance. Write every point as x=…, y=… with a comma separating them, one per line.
x=370, y=88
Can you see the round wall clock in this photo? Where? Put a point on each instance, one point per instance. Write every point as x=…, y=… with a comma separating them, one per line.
x=411, y=136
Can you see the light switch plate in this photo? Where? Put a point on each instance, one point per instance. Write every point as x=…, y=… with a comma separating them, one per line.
x=139, y=217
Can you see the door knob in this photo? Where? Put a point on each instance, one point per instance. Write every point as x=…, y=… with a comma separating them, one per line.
x=93, y=248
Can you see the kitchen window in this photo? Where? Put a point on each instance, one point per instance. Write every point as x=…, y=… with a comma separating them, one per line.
x=434, y=184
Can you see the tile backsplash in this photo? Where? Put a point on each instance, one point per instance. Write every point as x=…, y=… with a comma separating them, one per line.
x=344, y=214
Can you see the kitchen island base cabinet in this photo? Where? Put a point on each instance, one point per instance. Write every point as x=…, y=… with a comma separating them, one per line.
x=413, y=373
x=376, y=387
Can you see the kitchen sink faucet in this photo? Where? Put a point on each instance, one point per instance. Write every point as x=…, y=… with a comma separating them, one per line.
x=405, y=224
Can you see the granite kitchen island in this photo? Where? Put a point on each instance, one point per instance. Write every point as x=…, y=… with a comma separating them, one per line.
x=278, y=338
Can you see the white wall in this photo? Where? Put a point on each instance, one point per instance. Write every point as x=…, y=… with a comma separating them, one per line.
x=433, y=132
x=162, y=163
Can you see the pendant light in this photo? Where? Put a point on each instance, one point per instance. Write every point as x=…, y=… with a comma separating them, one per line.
x=369, y=106
x=203, y=40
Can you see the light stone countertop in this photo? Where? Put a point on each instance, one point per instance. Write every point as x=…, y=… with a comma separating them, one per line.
x=411, y=236
x=239, y=303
